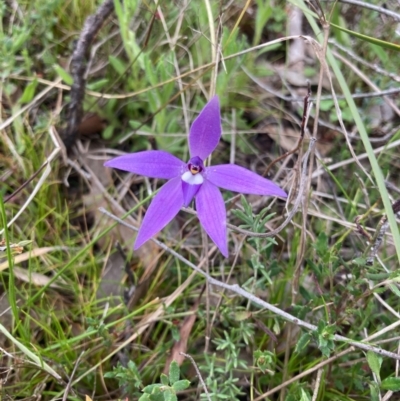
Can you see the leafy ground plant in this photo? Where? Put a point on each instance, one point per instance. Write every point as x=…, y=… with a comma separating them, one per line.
x=304, y=306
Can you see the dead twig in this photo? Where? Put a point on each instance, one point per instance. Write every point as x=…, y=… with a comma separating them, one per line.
x=380, y=232
x=79, y=60
x=303, y=125
x=67, y=389
x=198, y=374
x=381, y=10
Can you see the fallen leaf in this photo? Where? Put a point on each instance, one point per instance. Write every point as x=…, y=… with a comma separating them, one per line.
x=34, y=278
x=32, y=254
x=184, y=333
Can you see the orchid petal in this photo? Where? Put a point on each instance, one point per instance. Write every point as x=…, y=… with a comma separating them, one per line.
x=192, y=179
x=189, y=191
x=205, y=131
x=164, y=207
x=238, y=179
x=212, y=214
x=150, y=163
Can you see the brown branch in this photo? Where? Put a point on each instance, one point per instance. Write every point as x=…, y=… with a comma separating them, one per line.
x=380, y=232
x=9, y=197
x=79, y=59
x=302, y=131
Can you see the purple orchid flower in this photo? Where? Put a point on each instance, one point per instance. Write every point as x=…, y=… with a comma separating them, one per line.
x=193, y=180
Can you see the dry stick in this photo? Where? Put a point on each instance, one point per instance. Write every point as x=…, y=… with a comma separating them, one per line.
x=383, y=331
x=364, y=95
x=305, y=203
x=69, y=384
x=362, y=61
x=303, y=374
x=373, y=7
x=324, y=65
x=79, y=61
x=380, y=232
x=258, y=301
x=365, y=78
x=317, y=383
x=301, y=250
x=198, y=374
x=19, y=189
x=302, y=130
x=360, y=157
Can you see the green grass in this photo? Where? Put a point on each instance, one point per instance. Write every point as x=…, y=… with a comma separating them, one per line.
x=71, y=328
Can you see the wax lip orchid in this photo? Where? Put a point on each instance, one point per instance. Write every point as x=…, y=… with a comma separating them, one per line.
x=193, y=180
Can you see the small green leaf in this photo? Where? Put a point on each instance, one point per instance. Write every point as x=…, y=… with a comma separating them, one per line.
x=303, y=342
x=374, y=362
x=276, y=327
x=241, y=315
x=20, y=40
x=383, y=55
x=64, y=75
x=391, y=383
x=321, y=245
x=395, y=290
x=374, y=390
x=164, y=379
x=359, y=261
x=97, y=85
x=108, y=132
x=304, y=396
x=326, y=351
x=377, y=276
x=144, y=397
x=321, y=327
x=264, y=359
x=173, y=372
x=157, y=397
x=29, y=92
x=242, y=216
x=150, y=388
x=246, y=206
x=117, y=64
x=326, y=105
x=169, y=396
x=181, y=385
